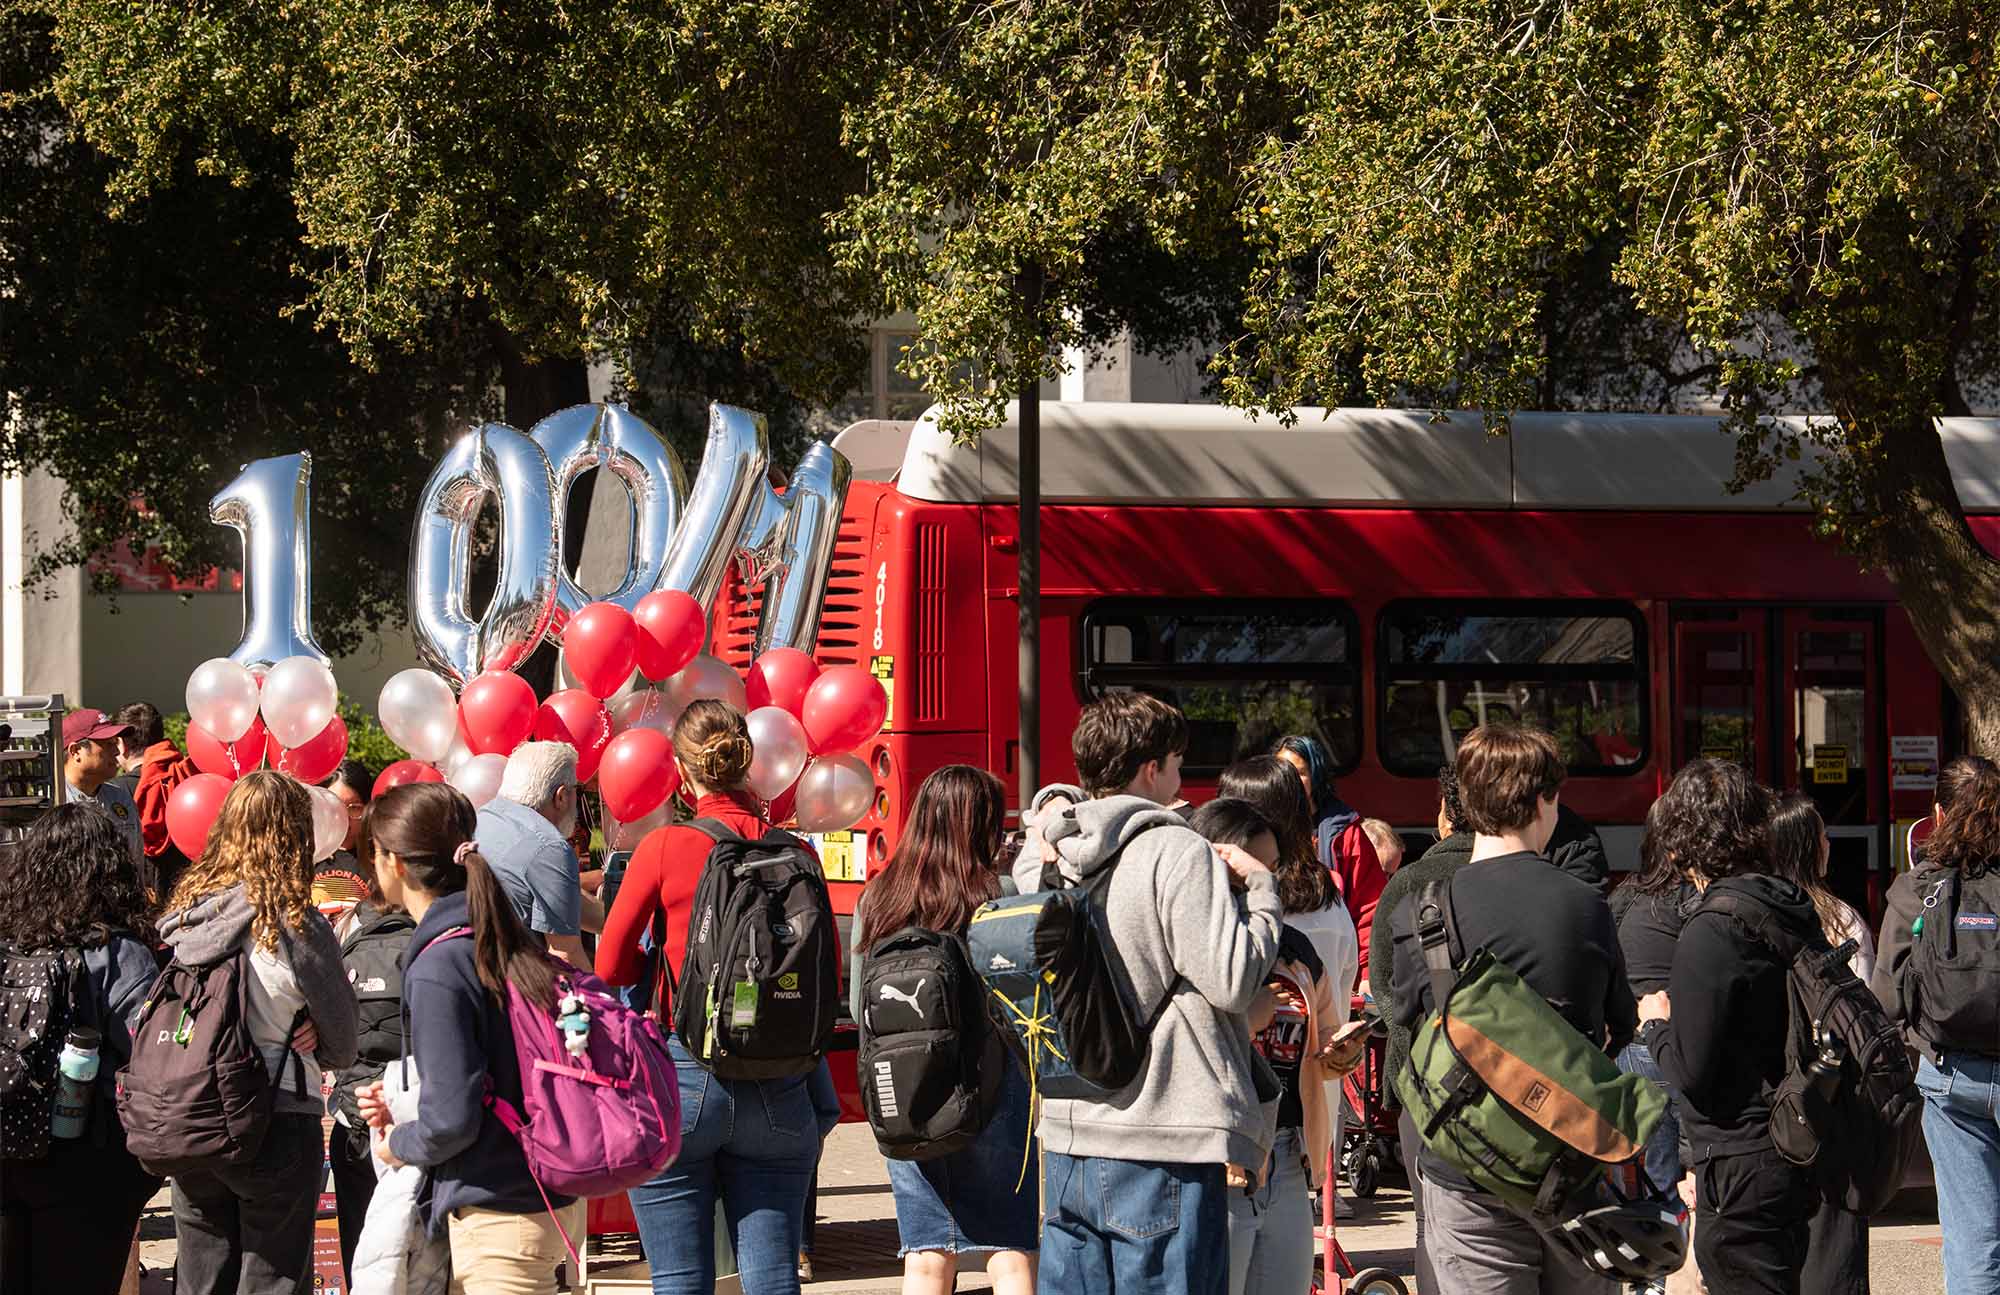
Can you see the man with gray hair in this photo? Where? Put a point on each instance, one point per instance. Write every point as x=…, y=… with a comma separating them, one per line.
x=523, y=834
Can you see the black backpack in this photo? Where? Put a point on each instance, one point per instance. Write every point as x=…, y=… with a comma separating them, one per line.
x=1848, y=1106
x=196, y=1093
x=1951, y=981
x=760, y=984
x=373, y=954
x=931, y=1064
x=42, y=994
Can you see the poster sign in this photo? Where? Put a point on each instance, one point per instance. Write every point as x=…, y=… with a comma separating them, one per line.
x=843, y=856
x=1913, y=763
x=1829, y=766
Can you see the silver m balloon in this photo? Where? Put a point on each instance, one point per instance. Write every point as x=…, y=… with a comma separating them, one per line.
x=270, y=506
x=787, y=546
x=498, y=462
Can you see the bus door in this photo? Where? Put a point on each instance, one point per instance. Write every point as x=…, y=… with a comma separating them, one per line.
x=1793, y=694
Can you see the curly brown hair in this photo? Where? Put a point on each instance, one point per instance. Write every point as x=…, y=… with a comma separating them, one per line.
x=262, y=839
x=1968, y=829
x=1713, y=818
x=70, y=883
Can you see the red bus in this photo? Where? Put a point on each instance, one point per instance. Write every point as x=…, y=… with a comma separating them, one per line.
x=1387, y=582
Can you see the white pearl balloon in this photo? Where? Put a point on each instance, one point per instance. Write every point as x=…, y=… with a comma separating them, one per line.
x=222, y=698
x=834, y=793
x=299, y=699
x=419, y=713
x=454, y=757
x=651, y=708
x=626, y=836
x=329, y=823
x=479, y=778
x=708, y=677
x=778, y=745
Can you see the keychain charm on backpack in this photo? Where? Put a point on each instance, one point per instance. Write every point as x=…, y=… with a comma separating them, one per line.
x=574, y=1020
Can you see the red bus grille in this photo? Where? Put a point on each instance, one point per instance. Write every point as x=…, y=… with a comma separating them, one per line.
x=930, y=609
x=840, y=617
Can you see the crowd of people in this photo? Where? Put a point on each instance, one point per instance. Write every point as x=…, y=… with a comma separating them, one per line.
x=1241, y=931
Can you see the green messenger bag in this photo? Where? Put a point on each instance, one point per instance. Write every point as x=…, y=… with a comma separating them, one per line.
x=1507, y=1091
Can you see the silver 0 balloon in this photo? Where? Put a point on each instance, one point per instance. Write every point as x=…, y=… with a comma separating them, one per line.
x=727, y=491
x=270, y=506
x=787, y=546
x=491, y=462
x=614, y=439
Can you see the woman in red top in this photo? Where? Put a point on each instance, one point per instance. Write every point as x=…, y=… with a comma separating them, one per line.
x=753, y=1143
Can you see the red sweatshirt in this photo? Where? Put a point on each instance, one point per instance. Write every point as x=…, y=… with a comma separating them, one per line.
x=163, y=769
x=662, y=876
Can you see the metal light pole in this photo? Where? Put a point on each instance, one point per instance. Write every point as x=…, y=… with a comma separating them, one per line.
x=1029, y=555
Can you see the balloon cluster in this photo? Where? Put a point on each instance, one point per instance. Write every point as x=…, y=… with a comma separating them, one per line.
x=635, y=673
x=238, y=722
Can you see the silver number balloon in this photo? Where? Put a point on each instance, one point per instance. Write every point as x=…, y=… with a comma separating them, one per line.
x=726, y=494
x=615, y=439
x=788, y=546
x=498, y=462
x=270, y=506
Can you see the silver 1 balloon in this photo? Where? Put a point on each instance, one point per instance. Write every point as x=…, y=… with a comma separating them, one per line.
x=270, y=506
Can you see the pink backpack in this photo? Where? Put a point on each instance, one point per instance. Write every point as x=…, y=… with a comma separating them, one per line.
x=597, y=1123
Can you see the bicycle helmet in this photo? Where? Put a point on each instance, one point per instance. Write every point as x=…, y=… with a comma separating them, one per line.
x=1634, y=1239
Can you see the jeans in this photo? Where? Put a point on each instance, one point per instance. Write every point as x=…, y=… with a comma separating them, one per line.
x=826, y=1110
x=751, y=1143
x=248, y=1230
x=1480, y=1247
x=1132, y=1226
x=1271, y=1229
x=1961, y=1105
x=1663, y=1149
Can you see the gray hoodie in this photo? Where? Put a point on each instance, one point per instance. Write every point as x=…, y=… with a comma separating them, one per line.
x=1175, y=923
x=304, y=974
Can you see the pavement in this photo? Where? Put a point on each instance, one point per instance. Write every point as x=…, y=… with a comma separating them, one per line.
x=855, y=1237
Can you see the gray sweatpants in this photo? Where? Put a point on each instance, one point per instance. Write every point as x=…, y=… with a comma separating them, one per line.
x=1480, y=1247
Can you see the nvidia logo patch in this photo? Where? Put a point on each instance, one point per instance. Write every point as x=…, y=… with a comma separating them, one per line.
x=790, y=980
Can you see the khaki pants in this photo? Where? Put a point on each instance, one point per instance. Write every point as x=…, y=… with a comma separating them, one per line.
x=509, y=1254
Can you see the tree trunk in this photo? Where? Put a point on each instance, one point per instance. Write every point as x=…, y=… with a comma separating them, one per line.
x=1948, y=584
x=534, y=389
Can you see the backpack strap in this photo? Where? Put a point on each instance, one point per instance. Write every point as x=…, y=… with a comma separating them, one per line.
x=717, y=831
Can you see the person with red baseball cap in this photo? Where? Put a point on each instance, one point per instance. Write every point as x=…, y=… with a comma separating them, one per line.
x=90, y=762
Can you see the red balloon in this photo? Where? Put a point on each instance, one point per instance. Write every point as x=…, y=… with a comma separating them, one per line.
x=496, y=712
x=672, y=631
x=601, y=647
x=229, y=760
x=637, y=773
x=402, y=773
x=844, y=708
x=191, y=811
x=576, y=717
x=781, y=677
x=313, y=760
x=784, y=808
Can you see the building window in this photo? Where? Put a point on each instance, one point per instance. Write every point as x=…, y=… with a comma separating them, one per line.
x=1576, y=669
x=1244, y=672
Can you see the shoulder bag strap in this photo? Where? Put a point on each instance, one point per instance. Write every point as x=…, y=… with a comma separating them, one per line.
x=1438, y=934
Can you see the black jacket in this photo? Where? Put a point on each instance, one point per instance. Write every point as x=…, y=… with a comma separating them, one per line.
x=1723, y=1051
x=1576, y=848
x=460, y=1039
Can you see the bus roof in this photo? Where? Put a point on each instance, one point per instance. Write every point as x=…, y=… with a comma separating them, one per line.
x=1105, y=451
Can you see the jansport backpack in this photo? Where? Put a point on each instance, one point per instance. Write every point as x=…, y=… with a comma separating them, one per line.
x=760, y=985
x=1848, y=1106
x=930, y=1064
x=196, y=1093
x=1951, y=981
x=1507, y=1091
x=1048, y=961
x=42, y=993
x=373, y=954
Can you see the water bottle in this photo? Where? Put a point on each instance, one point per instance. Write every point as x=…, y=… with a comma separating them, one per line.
x=76, y=1072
